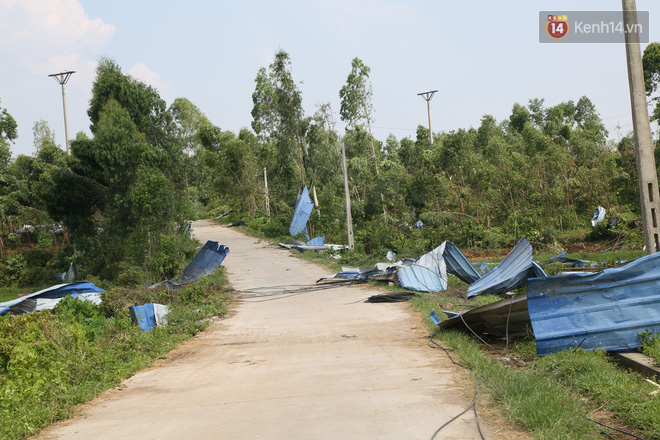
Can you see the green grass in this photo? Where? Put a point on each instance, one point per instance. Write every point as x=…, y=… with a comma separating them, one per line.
x=10, y=293
x=553, y=396
x=50, y=361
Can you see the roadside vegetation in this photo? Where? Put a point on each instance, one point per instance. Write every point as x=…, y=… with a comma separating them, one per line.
x=117, y=210
x=50, y=361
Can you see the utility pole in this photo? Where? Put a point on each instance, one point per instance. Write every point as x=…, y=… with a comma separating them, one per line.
x=62, y=79
x=427, y=96
x=349, y=218
x=646, y=171
x=266, y=194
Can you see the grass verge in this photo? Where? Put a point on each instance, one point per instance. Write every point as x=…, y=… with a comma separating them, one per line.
x=555, y=396
x=50, y=361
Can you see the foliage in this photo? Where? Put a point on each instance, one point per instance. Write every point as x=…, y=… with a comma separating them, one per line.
x=650, y=346
x=51, y=361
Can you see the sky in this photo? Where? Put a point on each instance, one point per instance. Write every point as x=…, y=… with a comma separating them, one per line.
x=481, y=56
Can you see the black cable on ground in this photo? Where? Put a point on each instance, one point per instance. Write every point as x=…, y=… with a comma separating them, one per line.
x=446, y=350
x=615, y=429
x=303, y=289
x=472, y=406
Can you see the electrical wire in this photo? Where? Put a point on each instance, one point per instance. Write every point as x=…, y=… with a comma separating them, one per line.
x=473, y=406
x=615, y=429
x=287, y=293
x=431, y=343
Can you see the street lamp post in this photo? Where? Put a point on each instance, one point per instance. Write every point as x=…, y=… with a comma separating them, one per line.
x=427, y=97
x=62, y=79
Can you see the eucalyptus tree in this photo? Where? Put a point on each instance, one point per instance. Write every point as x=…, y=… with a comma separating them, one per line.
x=356, y=99
x=279, y=119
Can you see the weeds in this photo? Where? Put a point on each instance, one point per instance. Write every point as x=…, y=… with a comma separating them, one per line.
x=52, y=360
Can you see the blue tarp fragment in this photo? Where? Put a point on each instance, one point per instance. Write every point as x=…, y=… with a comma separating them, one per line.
x=510, y=274
x=205, y=262
x=47, y=298
x=304, y=207
x=602, y=310
x=316, y=241
x=599, y=215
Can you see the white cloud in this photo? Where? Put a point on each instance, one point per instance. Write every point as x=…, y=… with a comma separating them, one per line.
x=45, y=27
x=143, y=73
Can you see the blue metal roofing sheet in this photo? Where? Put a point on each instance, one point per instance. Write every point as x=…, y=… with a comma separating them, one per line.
x=304, y=207
x=205, y=262
x=421, y=279
x=316, y=241
x=57, y=291
x=602, y=310
x=458, y=265
x=508, y=275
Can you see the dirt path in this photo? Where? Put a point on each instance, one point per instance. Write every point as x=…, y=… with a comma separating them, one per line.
x=321, y=365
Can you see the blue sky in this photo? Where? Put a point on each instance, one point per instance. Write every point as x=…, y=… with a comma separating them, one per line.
x=482, y=56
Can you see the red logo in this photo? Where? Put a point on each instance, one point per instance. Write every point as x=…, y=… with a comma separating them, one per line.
x=557, y=26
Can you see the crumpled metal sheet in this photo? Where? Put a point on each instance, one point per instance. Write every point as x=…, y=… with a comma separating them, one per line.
x=602, y=310
x=421, y=278
x=458, y=264
x=304, y=207
x=510, y=274
x=508, y=316
x=48, y=298
x=205, y=262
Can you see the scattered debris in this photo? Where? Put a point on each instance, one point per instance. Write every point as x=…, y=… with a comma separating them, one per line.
x=509, y=316
x=304, y=207
x=149, y=315
x=599, y=215
x=602, y=310
x=574, y=262
x=47, y=298
x=392, y=297
x=68, y=276
x=510, y=274
x=207, y=260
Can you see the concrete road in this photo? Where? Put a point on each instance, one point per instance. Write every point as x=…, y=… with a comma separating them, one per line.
x=319, y=365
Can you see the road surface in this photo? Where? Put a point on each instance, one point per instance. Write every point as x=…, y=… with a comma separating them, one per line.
x=319, y=365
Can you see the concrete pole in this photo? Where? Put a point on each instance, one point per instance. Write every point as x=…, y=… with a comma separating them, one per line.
x=428, y=107
x=266, y=194
x=646, y=171
x=66, y=122
x=427, y=96
x=62, y=79
x=349, y=218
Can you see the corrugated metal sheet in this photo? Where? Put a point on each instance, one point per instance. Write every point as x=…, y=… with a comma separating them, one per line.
x=508, y=275
x=493, y=318
x=149, y=315
x=458, y=265
x=602, y=310
x=205, y=262
x=421, y=279
x=304, y=207
x=316, y=241
x=48, y=298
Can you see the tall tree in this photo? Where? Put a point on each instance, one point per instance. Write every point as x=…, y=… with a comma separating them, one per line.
x=279, y=119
